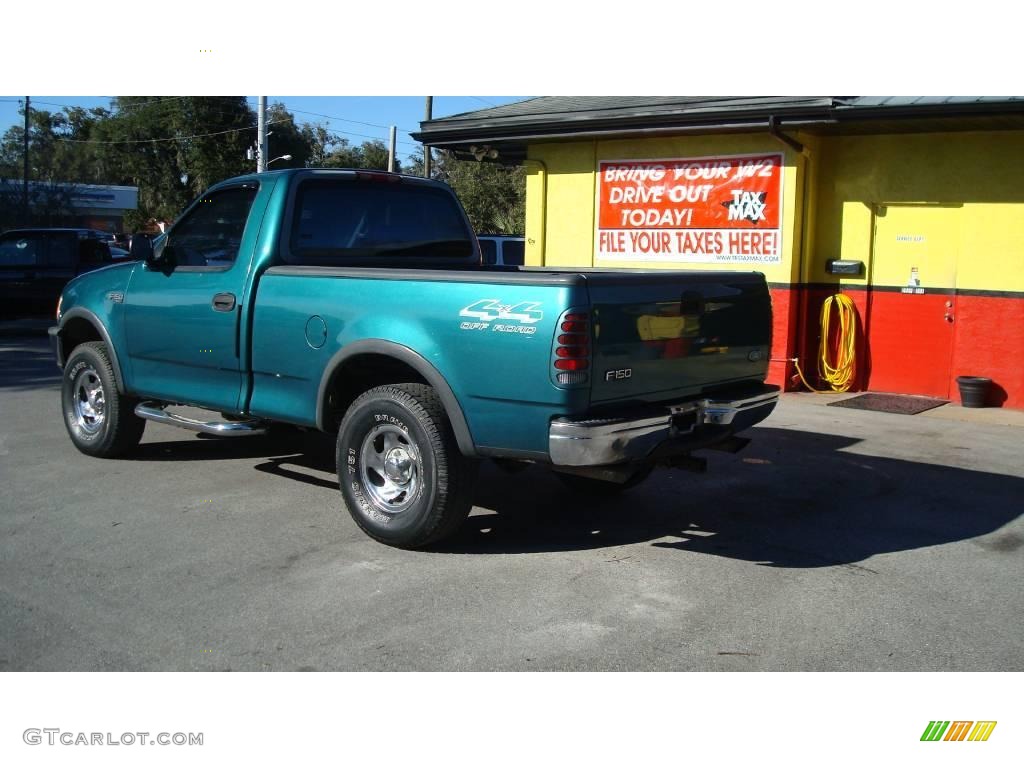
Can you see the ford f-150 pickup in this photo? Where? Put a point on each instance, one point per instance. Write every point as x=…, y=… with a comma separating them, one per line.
x=355, y=303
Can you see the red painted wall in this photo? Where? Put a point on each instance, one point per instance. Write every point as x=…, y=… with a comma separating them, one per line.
x=901, y=345
x=989, y=341
x=784, y=333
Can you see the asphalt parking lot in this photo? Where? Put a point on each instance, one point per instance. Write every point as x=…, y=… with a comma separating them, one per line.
x=839, y=540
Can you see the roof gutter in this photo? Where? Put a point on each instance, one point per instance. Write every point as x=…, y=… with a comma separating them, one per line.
x=969, y=109
x=753, y=126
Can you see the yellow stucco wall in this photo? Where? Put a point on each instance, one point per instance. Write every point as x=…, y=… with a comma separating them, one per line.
x=564, y=228
x=976, y=178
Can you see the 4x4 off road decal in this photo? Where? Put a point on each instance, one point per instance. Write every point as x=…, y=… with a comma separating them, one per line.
x=518, y=318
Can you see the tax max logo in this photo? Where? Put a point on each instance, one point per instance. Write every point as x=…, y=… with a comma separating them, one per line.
x=958, y=730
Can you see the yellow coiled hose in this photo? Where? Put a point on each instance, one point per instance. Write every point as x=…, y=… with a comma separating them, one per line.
x=839, y=374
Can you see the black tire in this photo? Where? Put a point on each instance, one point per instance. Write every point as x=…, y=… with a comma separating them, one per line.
x=103, y=424
x=423, y=474
x=592, y=486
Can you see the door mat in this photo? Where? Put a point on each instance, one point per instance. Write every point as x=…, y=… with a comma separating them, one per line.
x=905, y=404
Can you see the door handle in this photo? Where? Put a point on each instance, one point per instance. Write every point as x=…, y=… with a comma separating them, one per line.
x=224, y=302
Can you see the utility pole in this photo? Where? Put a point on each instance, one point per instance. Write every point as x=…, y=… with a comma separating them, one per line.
x=391, y=149
x=261, y=141
x=24, y=183
x=426, y=149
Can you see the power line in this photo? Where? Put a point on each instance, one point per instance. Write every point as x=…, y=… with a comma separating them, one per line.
x=377, y=138
x=367, y=136
x=485, y=101
x=343, y=119
x=172, y=138
x=347, y=120
x=54, y=104
x=138, y=104
x=124, y=107
x=216, y=133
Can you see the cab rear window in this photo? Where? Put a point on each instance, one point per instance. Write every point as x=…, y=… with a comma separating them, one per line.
x=340, y=222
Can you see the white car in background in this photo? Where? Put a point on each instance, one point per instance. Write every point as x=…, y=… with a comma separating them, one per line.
x=502, y=250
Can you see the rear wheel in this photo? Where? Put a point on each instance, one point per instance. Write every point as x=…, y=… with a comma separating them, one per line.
x=100, y=420
x=592, y=486
x=400, y=470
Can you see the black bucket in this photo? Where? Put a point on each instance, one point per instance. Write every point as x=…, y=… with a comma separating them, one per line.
x=973, y=390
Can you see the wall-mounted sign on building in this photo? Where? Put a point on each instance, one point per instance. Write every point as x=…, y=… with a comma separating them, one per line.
x=699, y=209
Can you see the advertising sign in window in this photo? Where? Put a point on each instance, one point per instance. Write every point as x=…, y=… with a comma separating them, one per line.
x=699, y=209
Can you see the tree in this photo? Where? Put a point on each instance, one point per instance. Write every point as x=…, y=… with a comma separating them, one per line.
x=493, y=195
x=321, y=142
x=58, y=154
x=58, y=146
x=173, y=148
x=342, y=155
x=375, y=156
x=372, y=155
x=288, y=139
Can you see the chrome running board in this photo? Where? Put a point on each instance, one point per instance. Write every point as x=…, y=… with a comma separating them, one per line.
x=155, y=412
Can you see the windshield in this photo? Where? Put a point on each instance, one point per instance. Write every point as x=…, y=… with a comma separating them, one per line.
x=337, y=222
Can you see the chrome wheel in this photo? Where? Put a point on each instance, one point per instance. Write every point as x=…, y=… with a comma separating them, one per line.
x=391, y=468
x=89, y=401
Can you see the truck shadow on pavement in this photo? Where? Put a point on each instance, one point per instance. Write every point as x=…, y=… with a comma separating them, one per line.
x=793, y=499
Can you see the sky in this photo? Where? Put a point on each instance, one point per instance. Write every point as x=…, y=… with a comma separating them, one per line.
x=356, y=118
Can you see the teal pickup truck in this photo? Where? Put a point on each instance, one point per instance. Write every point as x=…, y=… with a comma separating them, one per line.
x=355, y=303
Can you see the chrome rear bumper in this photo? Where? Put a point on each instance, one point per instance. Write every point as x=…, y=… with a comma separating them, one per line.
x=676, y=428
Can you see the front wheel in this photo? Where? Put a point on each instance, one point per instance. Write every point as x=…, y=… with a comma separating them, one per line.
x=400, y=470
x=99, y=419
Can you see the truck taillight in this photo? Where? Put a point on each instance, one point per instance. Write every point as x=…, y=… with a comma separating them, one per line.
x=571, y=358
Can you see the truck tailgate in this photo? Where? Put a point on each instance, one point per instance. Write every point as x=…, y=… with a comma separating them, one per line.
x=665, y=335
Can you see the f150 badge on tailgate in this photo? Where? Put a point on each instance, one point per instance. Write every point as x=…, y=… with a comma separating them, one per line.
x=524, y=316
x=618, y=374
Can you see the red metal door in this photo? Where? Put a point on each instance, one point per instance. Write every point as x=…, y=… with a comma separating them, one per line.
x=911, y=299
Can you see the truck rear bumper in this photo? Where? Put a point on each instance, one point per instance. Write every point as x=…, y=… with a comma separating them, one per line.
x=662, y=432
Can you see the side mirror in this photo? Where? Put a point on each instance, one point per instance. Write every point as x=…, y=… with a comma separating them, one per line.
x=141, y=249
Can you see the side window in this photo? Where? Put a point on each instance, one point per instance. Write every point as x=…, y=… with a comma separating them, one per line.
x=211, y=234
x=512, y=252
x=489, y=248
